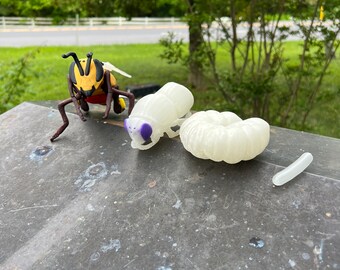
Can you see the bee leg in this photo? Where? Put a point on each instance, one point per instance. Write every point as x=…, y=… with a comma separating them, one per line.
x=108, y=104
x=61, y=108
x=75, y=97
x=75, y=100
x=117, y=107
x=108, y=96
x=130, y=96
x=84, y=105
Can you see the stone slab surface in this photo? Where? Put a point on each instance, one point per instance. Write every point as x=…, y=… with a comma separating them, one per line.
x=90, y=201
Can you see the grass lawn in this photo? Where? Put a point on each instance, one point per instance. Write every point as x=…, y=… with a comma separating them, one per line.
x=141, y=61
x=145, y=66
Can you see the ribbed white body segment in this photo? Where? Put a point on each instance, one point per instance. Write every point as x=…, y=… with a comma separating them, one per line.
x=160, y=111
x=168, y=104
x=224, y=136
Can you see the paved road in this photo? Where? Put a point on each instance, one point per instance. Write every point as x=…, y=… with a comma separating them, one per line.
x=87, y=35
x=83, y=35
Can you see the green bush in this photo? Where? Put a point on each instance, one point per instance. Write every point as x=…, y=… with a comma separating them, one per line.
x=15, y=80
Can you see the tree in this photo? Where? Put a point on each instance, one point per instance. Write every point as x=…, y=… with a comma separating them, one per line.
x=151, y=8
x=8, y=8
x=260, y=80
x=320, y=44
x=198, y=13
x=58, y=8
x=195, y=22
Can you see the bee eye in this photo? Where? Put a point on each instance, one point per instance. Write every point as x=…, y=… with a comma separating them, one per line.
x=71, y=73
x=146, y=131
x=99, y=70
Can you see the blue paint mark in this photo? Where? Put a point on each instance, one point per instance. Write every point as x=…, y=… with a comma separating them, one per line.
x=91, y=176
x=40, y=153
x=297, y=204
x=305, y=256
x=114, y=244
x=51, y=114
x=256, y=242
x=95, y=256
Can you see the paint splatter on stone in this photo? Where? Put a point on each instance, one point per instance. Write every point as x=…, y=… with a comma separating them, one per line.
x=305, y=256
x=256, y=242
x=291, y=263
x=178, y=204
x=90, y=207
x=40, y=153
x=113, y=245
x=51, y=114
x=95, y=257
x=91, y=176
x=114, y=170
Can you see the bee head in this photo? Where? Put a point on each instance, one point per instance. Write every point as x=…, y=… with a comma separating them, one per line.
x=139, y=130
x=86, y=74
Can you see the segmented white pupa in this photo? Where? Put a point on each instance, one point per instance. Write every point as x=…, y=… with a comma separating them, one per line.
x=224, y=136
x=159, y=113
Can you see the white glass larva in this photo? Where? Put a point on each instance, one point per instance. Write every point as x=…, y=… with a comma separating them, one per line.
x=224, y=136
x=159, y=113
x=293, y=170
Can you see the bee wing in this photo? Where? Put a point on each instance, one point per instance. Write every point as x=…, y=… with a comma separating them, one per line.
x=110, y=67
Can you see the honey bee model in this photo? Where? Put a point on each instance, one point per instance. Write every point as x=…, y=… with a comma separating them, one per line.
x=90, y=81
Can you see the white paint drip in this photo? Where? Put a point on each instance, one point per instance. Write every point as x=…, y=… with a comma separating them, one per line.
x=95, y=256
x=114, y=170
x=321, y=250
x=305, y=256
x=164, y=268
x=318, y=251
x=297, y=204
x=292, y=263
x=114, y=244
x=178, y=204
x=90, y=207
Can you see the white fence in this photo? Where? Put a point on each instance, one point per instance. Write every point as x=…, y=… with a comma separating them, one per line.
x=9, y=22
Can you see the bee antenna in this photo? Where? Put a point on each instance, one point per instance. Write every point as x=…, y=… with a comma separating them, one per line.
x=88, y=63
x=76, y=60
